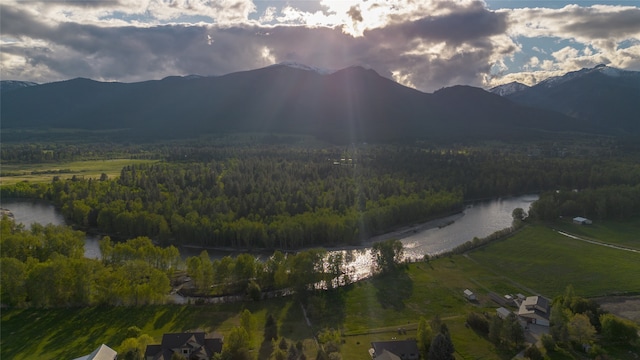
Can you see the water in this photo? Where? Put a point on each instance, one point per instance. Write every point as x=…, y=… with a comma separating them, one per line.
x=477, y=220
x=28, y=212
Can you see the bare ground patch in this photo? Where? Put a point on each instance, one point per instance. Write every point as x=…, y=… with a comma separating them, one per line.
x=627, y=307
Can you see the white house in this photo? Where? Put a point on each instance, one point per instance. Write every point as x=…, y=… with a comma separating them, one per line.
x=103, y=352
x=582, y=221
x=535, y=310
x=469, y=294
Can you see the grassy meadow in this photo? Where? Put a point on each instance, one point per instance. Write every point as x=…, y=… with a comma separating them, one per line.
x=625, y=233
x=44, y=172
x=535, y=260
x=541, y=259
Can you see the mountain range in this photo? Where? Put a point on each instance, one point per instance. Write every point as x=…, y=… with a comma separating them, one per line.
x=352, y=104
x=602, y=97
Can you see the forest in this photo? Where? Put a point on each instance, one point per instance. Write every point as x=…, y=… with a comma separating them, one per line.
x=44, y=266
x=279, y=196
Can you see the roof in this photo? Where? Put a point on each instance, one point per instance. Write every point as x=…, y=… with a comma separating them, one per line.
x=580, y=219
x=503, y=311
x=404, y=349
x=536, y=301
x=386, y=355
x=535, y=307
x=198, y=345
x=103, y=352
x=468, y=292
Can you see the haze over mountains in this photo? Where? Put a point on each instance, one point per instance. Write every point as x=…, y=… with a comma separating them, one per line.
x=352, y=104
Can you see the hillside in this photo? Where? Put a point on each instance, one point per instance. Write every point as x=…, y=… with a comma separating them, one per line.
x=352, y=104
x=602, y=97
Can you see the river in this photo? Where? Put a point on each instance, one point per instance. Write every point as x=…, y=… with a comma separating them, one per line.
x=477, y=220
x=28, y=212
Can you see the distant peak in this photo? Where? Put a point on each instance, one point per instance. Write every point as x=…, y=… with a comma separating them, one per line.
x=295, y=65
x=609, y=71
x=508, y=89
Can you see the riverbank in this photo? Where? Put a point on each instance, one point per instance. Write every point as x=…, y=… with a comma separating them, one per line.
x=398, y=234
x=7, y=213
x=431, y=237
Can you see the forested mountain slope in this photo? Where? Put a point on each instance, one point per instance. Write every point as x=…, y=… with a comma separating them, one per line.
x=602, y=97
x=353, y=104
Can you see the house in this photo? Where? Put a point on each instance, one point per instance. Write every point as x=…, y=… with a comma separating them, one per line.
x=103, y=352
x=395, y=350
x=193, y=346
x=503, y=313
x=469, y=294
x=582, y=221
x=535, y=310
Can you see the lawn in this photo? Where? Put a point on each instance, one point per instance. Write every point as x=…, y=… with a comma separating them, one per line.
x=44, y=172
x=374, y=310
x=546, y=261
x=619, y=232
x=535, y=260
x=70, y=333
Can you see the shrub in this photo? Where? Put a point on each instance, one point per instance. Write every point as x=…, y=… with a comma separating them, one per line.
x=615, y=329
x=478, y=323
x=533, y=353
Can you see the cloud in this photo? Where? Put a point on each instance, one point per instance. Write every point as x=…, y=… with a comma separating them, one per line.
x=424, y=44
x=600, y=30
x=355, y=14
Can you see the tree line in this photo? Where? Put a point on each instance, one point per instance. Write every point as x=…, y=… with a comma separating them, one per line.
x=289, y=198
x=44, y=266
x=616, y=202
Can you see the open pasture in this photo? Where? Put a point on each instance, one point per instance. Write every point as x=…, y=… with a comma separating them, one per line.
x=44, y=172
x=619, y=232
x=546, y=261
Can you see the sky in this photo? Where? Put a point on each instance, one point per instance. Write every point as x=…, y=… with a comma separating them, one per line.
x=424, y=44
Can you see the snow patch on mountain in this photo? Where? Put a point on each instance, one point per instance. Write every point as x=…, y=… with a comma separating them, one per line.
x=8, y=85
x=299, y=66
x=508, y=89
x=603, y=69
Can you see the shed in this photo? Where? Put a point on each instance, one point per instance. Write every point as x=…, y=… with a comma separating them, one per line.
x=469, y=294
x=503, y=313
x=582, y=221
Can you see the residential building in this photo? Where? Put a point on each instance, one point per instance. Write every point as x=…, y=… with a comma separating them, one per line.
x=395, y=350
x=192, y=346
x=535, y=310
x=103, y=352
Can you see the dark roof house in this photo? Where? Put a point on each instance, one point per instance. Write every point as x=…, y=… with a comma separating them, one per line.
x=193, y=346
x=397, y=349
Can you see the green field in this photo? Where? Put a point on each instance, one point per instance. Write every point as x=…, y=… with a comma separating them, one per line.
x=622, y=232
x=70, y=333
x=44, y=172
x=535, y=260
x=546, y=261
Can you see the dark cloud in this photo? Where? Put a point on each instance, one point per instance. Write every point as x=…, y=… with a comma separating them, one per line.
x=355, y=14
x=585, y=23
x=464, y=33
x=604, y=25
x=132, y=54
x=454, y=28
